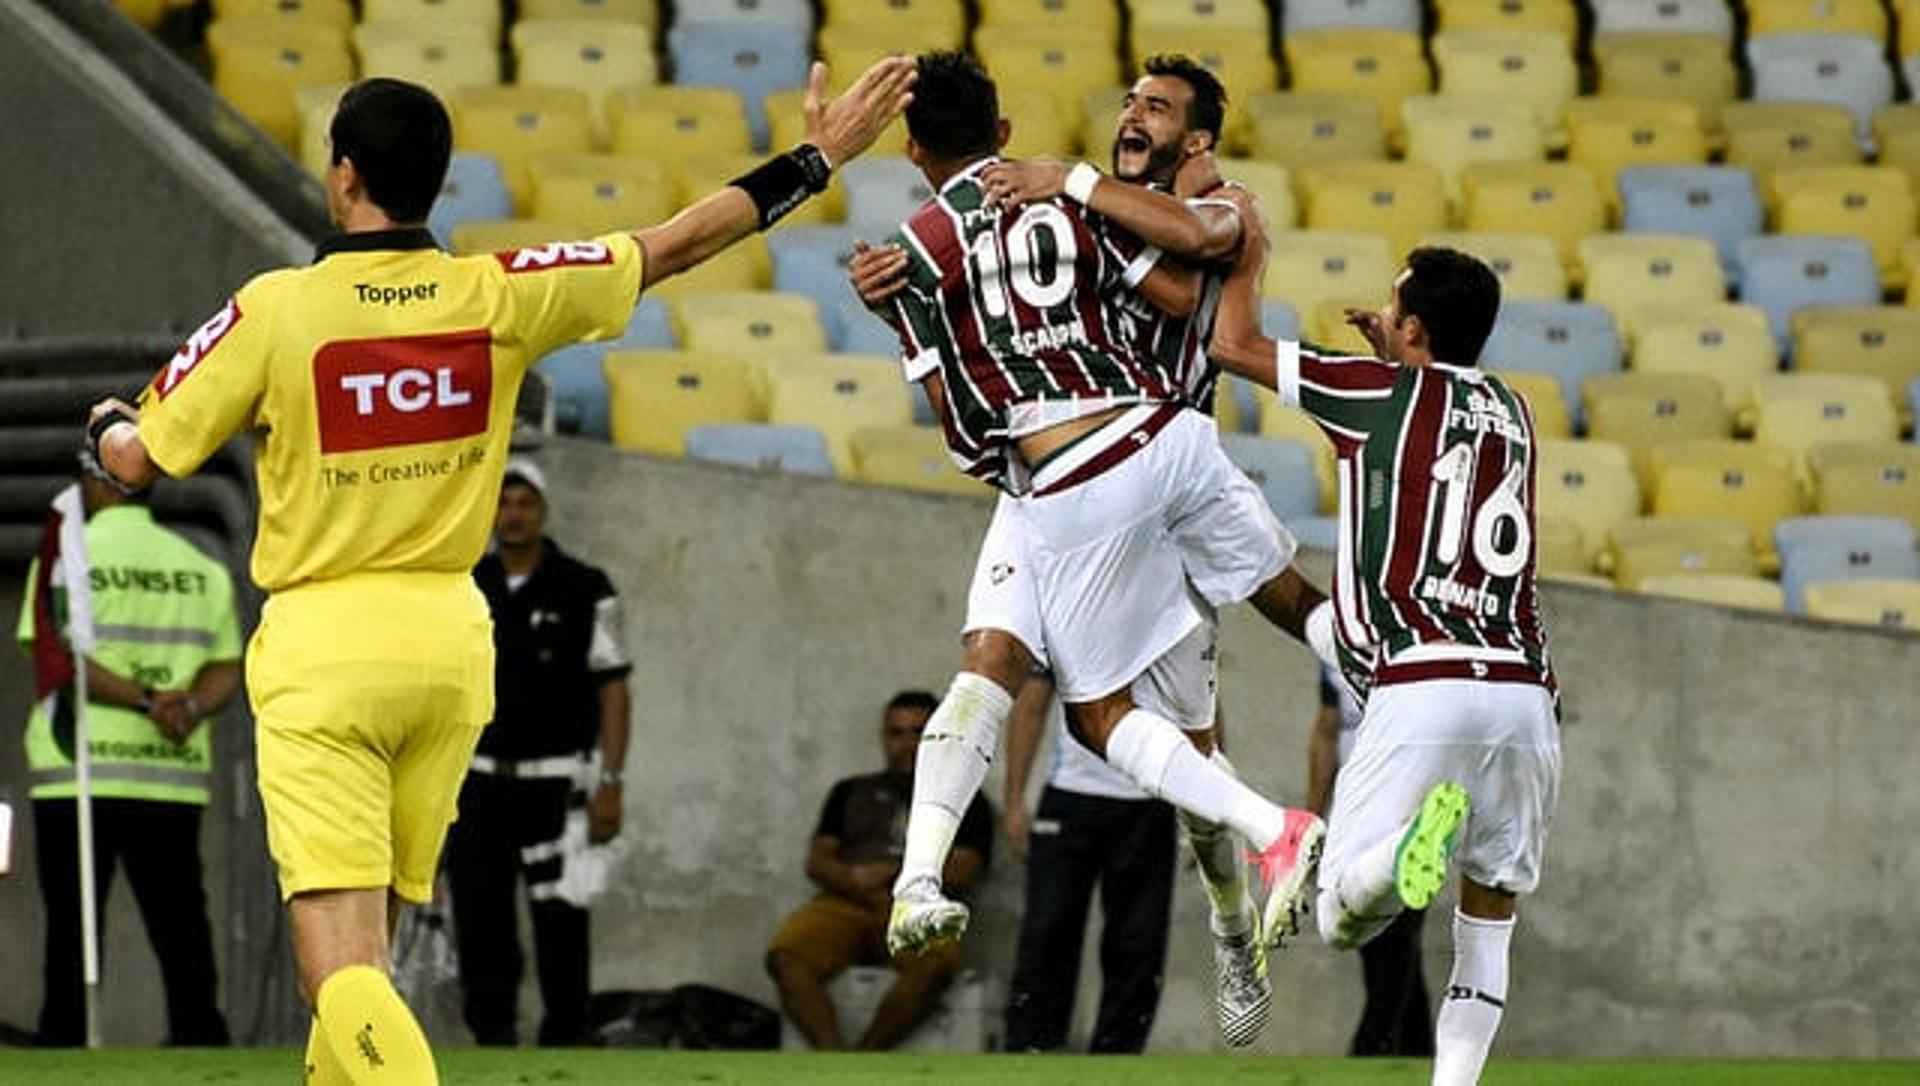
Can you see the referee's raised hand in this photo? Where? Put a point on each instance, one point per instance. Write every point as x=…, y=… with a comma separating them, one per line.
x=847, y=125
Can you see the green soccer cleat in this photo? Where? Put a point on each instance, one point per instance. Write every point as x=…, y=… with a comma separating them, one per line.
x=1420, y=864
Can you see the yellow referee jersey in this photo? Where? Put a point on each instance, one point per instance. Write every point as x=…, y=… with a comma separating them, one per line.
x=381, y=381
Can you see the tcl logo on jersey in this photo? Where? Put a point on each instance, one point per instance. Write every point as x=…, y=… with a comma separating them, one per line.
x=376, y=393
x=559, y=254
x=198, y=345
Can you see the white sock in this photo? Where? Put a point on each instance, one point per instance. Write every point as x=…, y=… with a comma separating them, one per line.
x=1221, y=858
x=1358, y=901
x=1475, y=996
x=1154, y=753
x=955, y=750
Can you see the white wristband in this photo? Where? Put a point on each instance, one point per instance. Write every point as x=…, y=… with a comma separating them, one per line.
x=1080, y=182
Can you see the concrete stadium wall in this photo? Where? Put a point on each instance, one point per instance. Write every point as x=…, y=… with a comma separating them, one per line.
x=1728, y=874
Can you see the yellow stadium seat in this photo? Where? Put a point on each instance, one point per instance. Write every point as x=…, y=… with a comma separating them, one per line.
x=1038, y=127
x=1662, y=545
x=1797, y=411
x=1270, y=183
x=1400, y=201
x=1302, y=129
x=1238, y=58
x=1281, y=421
x=1327, y=327
x=1727, y=451
x=910, y=458
x=1589, y=485
x=1900, y=150
x=1769, y=17
x=1628, y=273
x=1528, y=265
x=259, y=62
x=1555, y=200
x=1064, y=61
x=759, y=325
x=147, y=14
x=517, y=124
x=1766, y=137
x=1531, y=66
x=1248, y=16
x=1729, y=481
x=1899, y=119
x=481, y=13
x=1556, y=17
x=1734, y=590
x=1729, y=343
x=1451, y=132
x=839, y=395
x=1642, y=410
x=917, y=25
x=500, y=235
x=678, y=122
x=1871, y=341
x=1609, y=134
x=442, y=57
x=1874, y=478
x=1893, y=604
x=851, y=48
x=592, y=57
x=1387, y=66
x=1098, y=119
x=643, y=12
x=741, y=267
x=655, y=397
x=1873, y=203
x=331, y=12
x=1907, y=13
x=1228, y=417
x=316, y=103
x=1551, y=421
x=1692, y=68
x=1079, y=16
x=601, y=193
x=1307, y=267
x=1559, y=548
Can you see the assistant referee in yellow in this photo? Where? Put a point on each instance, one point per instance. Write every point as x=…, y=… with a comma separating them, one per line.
x=380, y=384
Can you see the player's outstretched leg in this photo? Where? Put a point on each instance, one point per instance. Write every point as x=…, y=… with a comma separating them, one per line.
x=1243, y=996
x=1287, y=867
x=1420, y=861
x=1403, y=870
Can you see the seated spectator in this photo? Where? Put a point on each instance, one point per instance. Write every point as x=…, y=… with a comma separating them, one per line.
x=853, y=859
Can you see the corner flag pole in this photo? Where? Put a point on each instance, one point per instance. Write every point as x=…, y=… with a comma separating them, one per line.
x=75, y=577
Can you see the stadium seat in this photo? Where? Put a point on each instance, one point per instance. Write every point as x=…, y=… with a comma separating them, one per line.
x=1528, y=265
x=1451, y=132
x=744, y=266
x=1865, y=602
x=1270, y=183
x=1628, y=273
x=482, y=13
x=1872, y=203
x=1845, y=561
x=1657, y=546
x=1248, y=16
x=1766, y=137
x=1734, y=590
x=1692, y=68
x=1531, y=66
x=1589, y=485
x=1728, y=480
x=1039, y=128
x=812, y=260
x=1558, y=548
x=643, y=12
x=258, y=62
x=1387, y=66
x=1843, y=69
x=796, y=450
x=1729, y=343
x=910, y=458
x=882, y=193
x=1877, y=478
x=1871, y=341
x=576, y=374
x=839, y=395
x=1571, y=340
x=793, y=16
x=1769, y=17
x=1900, y=150
x=1795, y=533
x=1797, y=411
x=1557, y=200
x=674, y=122
x=854, y=330
x=600, y=194
x=752, y=58
x=1279, y=421
x=1282, y=469
x=1400, y=201
x=1236, y=410
x=1715, y=202
x=1064, y=60
x=1551, y=419
x=1279, y=319
x=1709, y=17
x=916, y=25
x=1607, y=135
x=473, y=189
x=1307, y=267
x=657, y=396
x=760, y=325
x=501, y=235
x=594, y=58
x=1078, y=16
x=331, y=12
x=440, y=56
x=517, y=124
x=1642, y=410
x=1298, y=16
x=315, y=105
x=1783, y=274
x=1327, y=327
x=1553, y=16
x=1302, y=129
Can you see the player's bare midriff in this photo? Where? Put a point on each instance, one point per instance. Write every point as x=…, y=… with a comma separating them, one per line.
x=1036, y=447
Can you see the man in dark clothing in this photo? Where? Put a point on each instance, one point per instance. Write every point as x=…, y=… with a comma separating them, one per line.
x=537, y=795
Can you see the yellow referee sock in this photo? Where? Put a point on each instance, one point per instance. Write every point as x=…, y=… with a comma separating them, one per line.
x=322, y=1068
x=370, y=1031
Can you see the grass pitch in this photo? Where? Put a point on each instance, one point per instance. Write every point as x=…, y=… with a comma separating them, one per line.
x=533, y=1067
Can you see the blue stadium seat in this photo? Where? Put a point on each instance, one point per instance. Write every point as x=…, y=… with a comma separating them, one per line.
x=797, y=450
x=883, y=192
x=1847, y=70
x=1282, y=469
x=1831, y=530
x=792, y=15
x=1280, y=319
x=753, y=58
x=812, y=260
x=1780, y=274
x=1316, y=533
x=1719, y=203
x=860, y=331
x=474, y=190
x=1298, y=15
x=1710, y=17
x=1570, y=340
x=1842, y=562
x=650, y=328
x=577, y=381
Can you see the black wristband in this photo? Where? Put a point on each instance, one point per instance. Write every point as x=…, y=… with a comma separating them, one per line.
x=784, y=182
x=99, y=427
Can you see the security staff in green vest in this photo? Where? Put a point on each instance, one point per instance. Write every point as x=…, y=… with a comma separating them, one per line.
x=167, y=659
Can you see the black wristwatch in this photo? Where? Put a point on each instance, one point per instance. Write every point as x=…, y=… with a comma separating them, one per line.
x=813, y=163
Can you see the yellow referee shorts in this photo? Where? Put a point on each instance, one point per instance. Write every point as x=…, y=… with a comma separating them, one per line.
x=369, y=692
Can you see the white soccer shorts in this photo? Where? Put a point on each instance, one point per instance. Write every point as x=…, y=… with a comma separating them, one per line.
x=1003, y=595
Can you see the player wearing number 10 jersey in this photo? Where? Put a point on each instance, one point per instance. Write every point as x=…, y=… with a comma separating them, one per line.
x=1459, y=747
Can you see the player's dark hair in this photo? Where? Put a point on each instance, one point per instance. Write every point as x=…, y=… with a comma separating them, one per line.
x=1207, y=112
x=1456, y=296
x=955, y=112
x=399, y=139
x=914, y=699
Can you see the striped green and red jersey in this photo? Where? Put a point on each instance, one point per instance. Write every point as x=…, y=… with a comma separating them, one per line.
x=1013, y=308
x=1434, y=575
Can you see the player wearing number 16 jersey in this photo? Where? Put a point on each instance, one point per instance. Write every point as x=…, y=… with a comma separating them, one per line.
x=1459, y=747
